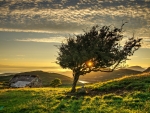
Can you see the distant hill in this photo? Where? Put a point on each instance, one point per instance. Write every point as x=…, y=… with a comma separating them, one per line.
x=6, y=74
x=92, y=77
x=147, y=70
x=5, y=78
x=44, y=76
x=137, y=68
x=105, y=76
x=48, y=77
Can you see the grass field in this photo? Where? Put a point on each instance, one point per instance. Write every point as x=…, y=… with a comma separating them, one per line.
x=125, y=95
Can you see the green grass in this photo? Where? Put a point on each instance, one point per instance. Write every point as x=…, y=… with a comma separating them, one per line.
x=116, y=96
x=140, y=82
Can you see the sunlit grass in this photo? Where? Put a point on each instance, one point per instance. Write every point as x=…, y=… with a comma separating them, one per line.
x=126, y=83
x=55, y=100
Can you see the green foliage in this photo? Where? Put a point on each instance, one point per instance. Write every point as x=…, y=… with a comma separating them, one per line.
x=100, y=46
x=98, y=49
x=56, y=82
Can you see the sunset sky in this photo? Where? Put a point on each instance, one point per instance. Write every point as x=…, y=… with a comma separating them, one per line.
x=30, y=29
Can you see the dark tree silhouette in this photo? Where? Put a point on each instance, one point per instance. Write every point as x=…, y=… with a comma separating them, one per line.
x=56, y=82
x=99, y=49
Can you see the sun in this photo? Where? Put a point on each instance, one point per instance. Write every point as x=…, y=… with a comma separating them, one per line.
x=90, y=64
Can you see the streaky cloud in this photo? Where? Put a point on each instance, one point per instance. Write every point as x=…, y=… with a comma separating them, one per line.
x=43, y=40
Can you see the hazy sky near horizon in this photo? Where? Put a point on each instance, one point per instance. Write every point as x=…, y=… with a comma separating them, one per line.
x=29, y=29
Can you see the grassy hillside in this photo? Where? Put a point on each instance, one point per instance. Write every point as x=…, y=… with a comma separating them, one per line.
x=4, y=80
x=125, y=95
x=140, y=82
x=105, y=76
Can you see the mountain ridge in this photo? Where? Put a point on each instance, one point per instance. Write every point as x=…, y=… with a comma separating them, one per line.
x=147, y=70
x=137, y=68
x=105, y=76
x=92, y=77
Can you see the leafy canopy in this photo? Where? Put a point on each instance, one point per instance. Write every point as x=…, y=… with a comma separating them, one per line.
x=99, y=49
x=56, y=82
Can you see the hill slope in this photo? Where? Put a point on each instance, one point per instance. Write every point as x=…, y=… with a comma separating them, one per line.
x=147, y=70
x=6, y=74
x=136, y=68
x=140, y=82
x=126, y=95
x=48, y=77
x=105, y=76
x=44, y=76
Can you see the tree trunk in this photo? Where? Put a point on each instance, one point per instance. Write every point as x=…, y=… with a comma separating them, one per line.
x=75, y=80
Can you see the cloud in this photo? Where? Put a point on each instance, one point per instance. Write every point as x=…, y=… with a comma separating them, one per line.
x=68, y=15
x=45, y=40
x=146, y=42
x=133, y=57
x=13, y=66
x=146, y=58
x=27, y=30
x=71, y=16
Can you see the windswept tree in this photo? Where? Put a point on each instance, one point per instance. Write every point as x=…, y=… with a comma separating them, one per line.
x=99, y=49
